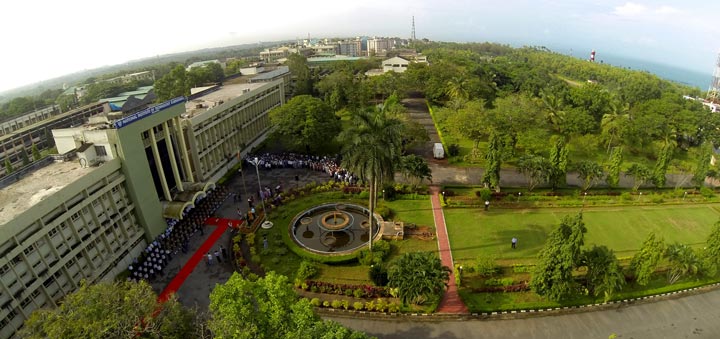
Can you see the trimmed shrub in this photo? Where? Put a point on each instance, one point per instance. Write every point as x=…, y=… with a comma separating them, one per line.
x=306, y=270
x=336, y=304
x=707, y=192
x=315, y=302
x=486, y=266
x=378, y=274
x=358, y=306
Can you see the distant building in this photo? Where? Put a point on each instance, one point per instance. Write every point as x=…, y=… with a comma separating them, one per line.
x=128, y=78
x=351, y=48
x=203, y=63
x=273, y=55
x=280, y=73
x=396, y=64
x=18, y=138
x=379, y=46
x=252, y=70
x=131, y=101
x=324, y=49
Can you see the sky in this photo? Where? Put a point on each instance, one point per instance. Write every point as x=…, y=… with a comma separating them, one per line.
x=46, y=39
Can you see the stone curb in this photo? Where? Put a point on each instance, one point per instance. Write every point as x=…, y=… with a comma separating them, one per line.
x=517, y=314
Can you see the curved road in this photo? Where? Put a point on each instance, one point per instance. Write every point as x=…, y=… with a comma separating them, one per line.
x=694, y=316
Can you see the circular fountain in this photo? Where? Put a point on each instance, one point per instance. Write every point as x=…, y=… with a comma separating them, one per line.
x=334, y=228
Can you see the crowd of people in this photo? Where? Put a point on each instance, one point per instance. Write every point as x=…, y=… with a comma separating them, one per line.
x=175, y=238
x=329, y=165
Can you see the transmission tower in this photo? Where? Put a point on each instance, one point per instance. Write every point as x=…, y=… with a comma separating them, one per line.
x=412, y=34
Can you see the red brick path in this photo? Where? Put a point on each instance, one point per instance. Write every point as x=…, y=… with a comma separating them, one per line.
x=451, y=302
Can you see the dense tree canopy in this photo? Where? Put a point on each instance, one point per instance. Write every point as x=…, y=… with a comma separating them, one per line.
x=553, y=276
x=305, y=124
x=268, y=308
x=112, y=310
x=418, y=276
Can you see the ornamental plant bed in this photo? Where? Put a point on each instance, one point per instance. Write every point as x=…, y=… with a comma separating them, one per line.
x=519, y=287
x=357, y=291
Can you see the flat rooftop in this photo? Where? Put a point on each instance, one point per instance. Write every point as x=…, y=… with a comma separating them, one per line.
x=226, y=93
x=37, y=186
x=272, y=74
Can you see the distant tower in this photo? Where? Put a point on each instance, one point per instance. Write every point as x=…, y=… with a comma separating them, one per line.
x=592, y=56
x=714, y=90
x=412, y=34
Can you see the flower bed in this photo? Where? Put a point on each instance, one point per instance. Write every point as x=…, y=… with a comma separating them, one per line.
x=357, y=291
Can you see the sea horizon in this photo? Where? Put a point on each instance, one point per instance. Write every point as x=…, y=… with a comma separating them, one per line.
x=689, y=77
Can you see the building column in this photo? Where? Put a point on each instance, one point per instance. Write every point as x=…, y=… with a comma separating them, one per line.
x=158, y=164
x=183, y=150
x=171, y=152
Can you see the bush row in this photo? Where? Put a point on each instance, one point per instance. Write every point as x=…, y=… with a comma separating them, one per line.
x=505, y=286
x=357, y=291
x=379, y=305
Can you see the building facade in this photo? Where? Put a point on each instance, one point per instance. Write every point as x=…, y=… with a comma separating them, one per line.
x=90, y=216
x=235, y=124
x=396, y=64
x=85, y=227
x=379, y=46
x=351, y=48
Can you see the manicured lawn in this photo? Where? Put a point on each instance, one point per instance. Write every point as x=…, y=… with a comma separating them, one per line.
x=418, y=212
x=475, y=233
x=489, y=302
x=278, y=258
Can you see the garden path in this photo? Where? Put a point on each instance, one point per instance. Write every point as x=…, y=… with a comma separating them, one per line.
x=451, y=302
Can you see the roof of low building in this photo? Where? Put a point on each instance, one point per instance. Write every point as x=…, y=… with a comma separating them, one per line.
x=37, y=186
x=272, y=74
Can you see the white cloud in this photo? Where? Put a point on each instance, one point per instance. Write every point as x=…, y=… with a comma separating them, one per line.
x=667, y=10
x=630, y=9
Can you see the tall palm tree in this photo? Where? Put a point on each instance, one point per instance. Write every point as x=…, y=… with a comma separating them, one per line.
x=371, y=149
x=613, y=122
x=555, y=109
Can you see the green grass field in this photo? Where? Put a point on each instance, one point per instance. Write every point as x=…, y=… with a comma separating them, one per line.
x=474, y=233
x=417, y=211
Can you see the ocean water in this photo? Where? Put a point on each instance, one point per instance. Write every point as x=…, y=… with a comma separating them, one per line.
x=673, y=73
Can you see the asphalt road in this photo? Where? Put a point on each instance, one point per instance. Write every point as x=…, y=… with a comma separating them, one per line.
x=695, y=316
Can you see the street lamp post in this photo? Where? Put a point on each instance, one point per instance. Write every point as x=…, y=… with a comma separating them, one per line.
x=684, y=195
x=460, y=275
x=584, y=196
x=519, y=194
x=383, y=195
x=256, y=162
x=640, y=197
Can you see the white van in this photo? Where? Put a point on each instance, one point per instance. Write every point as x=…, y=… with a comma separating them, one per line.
x=438, y=151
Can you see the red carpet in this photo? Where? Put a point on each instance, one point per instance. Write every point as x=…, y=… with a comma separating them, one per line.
x=199, y=255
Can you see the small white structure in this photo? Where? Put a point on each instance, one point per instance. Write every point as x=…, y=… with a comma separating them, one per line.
x=438, y=151
x=396, y=64
x=252, y=70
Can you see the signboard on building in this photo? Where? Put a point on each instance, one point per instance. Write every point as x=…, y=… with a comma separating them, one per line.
x=120, y=123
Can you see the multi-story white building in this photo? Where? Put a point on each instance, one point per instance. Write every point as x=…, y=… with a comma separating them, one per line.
x=89, y=214
x=379, y=46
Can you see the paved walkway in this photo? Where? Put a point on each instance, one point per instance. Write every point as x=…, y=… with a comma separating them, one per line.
x=451, y=302
x=188, y=274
